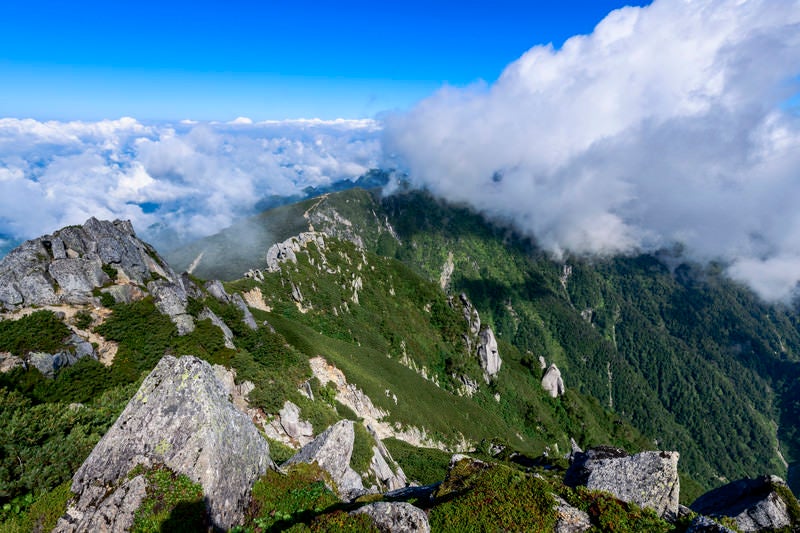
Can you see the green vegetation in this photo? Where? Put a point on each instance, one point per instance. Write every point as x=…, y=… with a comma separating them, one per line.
x=83, y=319
x=173, y=503
x=41, y=331
x=481, y=497
x=362, y=448
x=423, y=465
x=280, y=500
x=42, y=445
x=609, y=514
x=37, y=514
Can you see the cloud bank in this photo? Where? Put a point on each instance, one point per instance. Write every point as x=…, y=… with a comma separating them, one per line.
x=669, y=123
x=190, y=179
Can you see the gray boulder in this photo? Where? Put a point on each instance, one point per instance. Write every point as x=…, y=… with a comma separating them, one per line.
x=756, y=504
x=648, y=479
x=552, y=382
x=215, y=289
x=181, y=417
x=703, y=524
x=247, y=318
x=115, y=512
x=488, y=355
x=48, y=364
x=332, y=451
x=396, y=517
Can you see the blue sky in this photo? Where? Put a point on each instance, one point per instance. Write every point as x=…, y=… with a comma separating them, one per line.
x=91, y=60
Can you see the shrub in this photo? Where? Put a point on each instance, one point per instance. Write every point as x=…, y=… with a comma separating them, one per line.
x=173, y=503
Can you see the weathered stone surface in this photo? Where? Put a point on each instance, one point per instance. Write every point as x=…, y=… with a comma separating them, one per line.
x=755, y=504
x=332, y=450
x=65, y=267
x=648, y=479
x=703, y=524
x=396, y=517
x=180, y=417
x=113, y=513
x=488, y=355
x=569, y=519
x=125, y=293
x=170, y=299
x=292, y=424
x=227, y=334
x=552, y=382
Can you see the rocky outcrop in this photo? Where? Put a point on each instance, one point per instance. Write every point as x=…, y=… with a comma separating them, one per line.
x=552, y=382
x=171, y=300
x=48, y=364
x=648, y=479
x=470, y=314
x=181, y=417
x=488, y=355
x=67, y=266
x=332, y=451
x=282, y=252
x=755, y=504
x=569, y=519
x=396, y=517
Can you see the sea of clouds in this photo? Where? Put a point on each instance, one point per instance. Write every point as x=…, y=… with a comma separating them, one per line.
x=671, y=123
x=191, y=178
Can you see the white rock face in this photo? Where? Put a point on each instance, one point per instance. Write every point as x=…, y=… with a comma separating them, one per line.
x=552, y=382
x=488, y=354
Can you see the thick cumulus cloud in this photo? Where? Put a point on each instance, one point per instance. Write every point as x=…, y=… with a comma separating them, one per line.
x=669, y=123
x=190, y=179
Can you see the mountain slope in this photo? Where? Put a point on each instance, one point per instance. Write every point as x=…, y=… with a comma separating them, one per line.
x=695, y=361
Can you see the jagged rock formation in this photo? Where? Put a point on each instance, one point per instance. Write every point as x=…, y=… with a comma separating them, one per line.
x=48, y=364
x=285, y=251
x=396, y=517
x=552, y=382
x=67, y=266
x=648, y=479
x=756, y=504
x=488, y=354
x=180, y=417
x=332, y=451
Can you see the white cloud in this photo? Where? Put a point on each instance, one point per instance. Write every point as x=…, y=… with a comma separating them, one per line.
x=665, y=124
x=192, y=178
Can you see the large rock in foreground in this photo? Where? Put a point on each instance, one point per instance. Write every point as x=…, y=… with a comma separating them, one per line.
x=180, y=417
x=648, y=479
x=332, y=451
x=756, y=504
